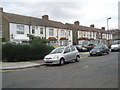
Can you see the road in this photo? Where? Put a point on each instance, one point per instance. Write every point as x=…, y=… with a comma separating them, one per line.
x=90, y=72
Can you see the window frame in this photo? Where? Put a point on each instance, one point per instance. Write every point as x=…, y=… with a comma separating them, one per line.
x=33, y=29
x=51, y=32
x=62, y=32
x=20, y=28
x=41, y=29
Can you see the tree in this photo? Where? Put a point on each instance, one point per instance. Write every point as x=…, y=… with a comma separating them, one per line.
x=36, y=39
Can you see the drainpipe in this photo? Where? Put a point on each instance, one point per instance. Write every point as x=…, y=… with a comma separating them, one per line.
x=29, y=26
x=45, y=31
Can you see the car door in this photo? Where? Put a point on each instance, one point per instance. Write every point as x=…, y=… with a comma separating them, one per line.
x=73, y=53
x=105, y=49
x=67, y=53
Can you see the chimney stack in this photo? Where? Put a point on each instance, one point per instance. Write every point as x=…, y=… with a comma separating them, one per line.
x=45, y=17
x=92, y=25
x=103, y=28
x=1, y=9
x=77, y=23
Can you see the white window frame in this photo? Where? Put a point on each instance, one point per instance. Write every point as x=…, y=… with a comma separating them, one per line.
x=62, y=32
x=51, y=32
x=33, y=28
x=69, y=33
x=20, y=28
x=41, y=30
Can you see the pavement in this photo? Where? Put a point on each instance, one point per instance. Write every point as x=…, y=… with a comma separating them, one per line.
x=20, y=65
x=28, y=64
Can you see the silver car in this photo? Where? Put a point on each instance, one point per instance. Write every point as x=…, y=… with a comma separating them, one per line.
x=62, y=55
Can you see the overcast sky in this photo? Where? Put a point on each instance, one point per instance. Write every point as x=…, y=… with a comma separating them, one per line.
x=67, y=11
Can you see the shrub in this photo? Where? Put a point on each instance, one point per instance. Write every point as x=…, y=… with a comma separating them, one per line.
x=4, y=39
x=37, y=49
x=19, y=52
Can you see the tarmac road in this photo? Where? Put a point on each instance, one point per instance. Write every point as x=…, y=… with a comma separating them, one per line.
x=90, y=72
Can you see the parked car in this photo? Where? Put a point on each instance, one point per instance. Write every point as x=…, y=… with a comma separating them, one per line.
x=62, y=55
x=80, y=48
x=89, y=46
x=115, y=47
x=99, y=50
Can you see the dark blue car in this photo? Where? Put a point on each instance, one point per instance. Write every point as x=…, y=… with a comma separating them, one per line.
x=99, y=50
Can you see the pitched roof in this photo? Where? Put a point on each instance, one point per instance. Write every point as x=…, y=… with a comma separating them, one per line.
x=84, y=28
x=15, y=18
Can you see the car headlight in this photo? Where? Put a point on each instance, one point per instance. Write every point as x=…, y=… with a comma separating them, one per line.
x=55, y=57
x=84, y=48
x=98, y=51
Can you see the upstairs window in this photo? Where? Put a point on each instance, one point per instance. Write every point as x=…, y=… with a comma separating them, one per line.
x=51, y=32
x=84, y=34
x=41, y=30
x=62, y=33
x=33, y=29
x=69, y=33
x=20, y=29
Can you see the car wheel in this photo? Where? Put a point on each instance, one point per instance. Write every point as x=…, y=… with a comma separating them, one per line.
x=112, y=50
x=91, y=54
x=107, y=52
x=62, y=62
x=77, y=59
x=101, y=53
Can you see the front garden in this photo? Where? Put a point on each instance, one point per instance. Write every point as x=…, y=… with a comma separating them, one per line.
x=36, y=50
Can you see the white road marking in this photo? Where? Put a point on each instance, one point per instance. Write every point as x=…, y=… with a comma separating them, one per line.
x=85, y=67
x=84, y=57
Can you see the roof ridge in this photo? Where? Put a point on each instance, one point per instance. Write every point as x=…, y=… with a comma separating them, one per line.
x=33, y=18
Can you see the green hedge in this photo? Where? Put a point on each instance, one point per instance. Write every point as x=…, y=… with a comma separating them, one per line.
x=19, y=52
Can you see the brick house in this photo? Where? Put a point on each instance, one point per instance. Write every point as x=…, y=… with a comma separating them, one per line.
x=16, y=27
x=115, y=35
x=88, y=35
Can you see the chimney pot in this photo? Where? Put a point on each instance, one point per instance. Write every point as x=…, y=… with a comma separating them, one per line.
x=45, y=17
x=92, y=25
x=103, y=28
x=77, y=23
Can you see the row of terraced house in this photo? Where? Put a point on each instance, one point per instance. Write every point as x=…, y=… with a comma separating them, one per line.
x=16, y=27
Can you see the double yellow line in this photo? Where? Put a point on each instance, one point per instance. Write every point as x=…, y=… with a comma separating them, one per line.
x=15, y=70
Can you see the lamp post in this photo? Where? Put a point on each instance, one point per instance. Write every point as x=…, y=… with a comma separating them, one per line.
x=108, y=28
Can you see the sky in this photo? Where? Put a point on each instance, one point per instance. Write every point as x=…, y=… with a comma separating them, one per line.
x=87, y=12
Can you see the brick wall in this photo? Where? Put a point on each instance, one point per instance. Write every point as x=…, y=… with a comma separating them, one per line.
x=5, y=26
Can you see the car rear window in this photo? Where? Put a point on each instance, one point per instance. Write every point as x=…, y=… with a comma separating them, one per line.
x=72, y=48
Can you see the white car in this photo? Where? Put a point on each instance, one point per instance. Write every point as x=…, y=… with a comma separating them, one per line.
x=115, y=47
x=62, y=55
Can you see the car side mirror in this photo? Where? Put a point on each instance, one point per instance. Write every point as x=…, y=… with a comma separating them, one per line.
x=65, y=52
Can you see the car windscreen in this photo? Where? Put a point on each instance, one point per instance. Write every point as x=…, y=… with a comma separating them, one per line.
x=97, y=47
x=116, y=42
x=57, y=50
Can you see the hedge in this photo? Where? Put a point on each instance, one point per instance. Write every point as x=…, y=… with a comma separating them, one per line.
x=21, y=52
